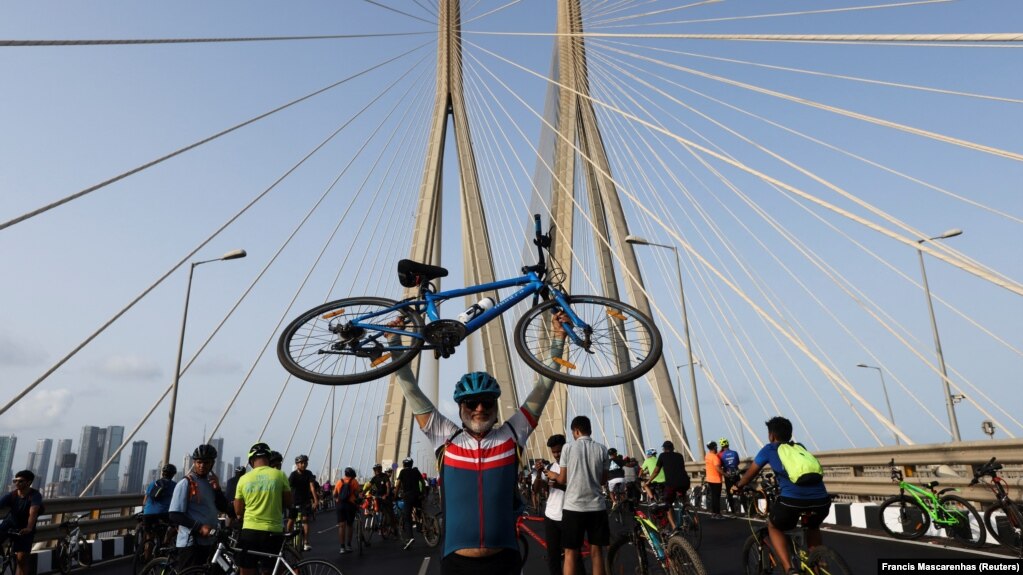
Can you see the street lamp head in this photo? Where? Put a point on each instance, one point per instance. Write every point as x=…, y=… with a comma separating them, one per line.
x=636, y=240
x=950, y=234
x=233, y=255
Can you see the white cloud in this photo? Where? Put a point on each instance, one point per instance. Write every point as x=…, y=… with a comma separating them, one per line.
x=216, y=365
x=41, y=408
x=17, y=353
x=128, y=367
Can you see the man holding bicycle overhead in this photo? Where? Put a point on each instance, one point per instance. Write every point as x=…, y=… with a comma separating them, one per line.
x=795, y=498
x=479, y=463
x=260, y=499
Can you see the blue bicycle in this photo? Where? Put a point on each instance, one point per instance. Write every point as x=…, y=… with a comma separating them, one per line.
x=360, y=339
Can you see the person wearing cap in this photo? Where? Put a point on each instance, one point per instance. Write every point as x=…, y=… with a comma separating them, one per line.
x=480, y=506
x=676, y=480
x=652, y=484
x=261, y=497
x=346, y=493
x=381, y=490
x=730, y=465
x=303, y=492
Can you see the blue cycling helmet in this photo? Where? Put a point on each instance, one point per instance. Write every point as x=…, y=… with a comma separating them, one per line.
x=476, y=383
x=651, y=451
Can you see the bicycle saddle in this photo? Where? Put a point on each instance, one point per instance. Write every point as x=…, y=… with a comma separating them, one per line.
x=412, y=274
x=931, y=485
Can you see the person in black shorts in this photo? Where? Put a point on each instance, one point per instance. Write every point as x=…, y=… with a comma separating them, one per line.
x=584, y=464
x=676, y=480
x=304, y=495
x=24, y=505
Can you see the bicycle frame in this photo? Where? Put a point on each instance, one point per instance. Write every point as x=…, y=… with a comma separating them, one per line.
x=928, y=500
x=222, y=550
x=531, y=285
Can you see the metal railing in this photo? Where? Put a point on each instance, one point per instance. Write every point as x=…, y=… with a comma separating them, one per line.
x=108, y=515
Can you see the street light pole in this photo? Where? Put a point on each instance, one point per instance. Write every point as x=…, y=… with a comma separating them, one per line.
x=232, y=255
x=949, y=404
x=636, y=240
x=891, y=415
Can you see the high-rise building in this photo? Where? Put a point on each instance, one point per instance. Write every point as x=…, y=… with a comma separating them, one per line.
x=39, y=461
x=218, y=467
x=90, y=454
x=71, y=481
x=133, y=476
x=63, y=448
x=114, y=437
x=7, y=445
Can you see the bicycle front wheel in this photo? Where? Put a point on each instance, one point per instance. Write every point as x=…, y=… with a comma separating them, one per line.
x=826, y=562
x=323, y=345
x=757, y=558
x=902, y=518
x=625, y=557
x=84, y=552
x=159, y=566
x=316, y=567
x=431, y=530
x=623, y=345
x=1005, y=523
x=682, y=559
x=690, y=527
x=967, y=526
x=63, y=557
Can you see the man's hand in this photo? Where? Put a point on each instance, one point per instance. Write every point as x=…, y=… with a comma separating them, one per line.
x=556, y=324
x=25, y=531
x=204, y=530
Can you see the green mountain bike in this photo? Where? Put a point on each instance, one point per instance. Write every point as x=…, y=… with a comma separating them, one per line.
x=909, y=514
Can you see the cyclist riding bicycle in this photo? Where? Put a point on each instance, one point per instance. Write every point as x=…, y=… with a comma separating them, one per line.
x=381, y=490
x=794, y=500
x=304, y=495
x=410, y=486
x=615, y=476
x=156, y=503
x=651, y=485
x=24, y=505
x=481, y=536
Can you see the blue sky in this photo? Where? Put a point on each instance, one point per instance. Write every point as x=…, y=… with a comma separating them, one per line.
x=76, y=116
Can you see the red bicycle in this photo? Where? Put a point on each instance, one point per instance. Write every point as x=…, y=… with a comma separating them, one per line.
x=1004, y=519
x=522, y=530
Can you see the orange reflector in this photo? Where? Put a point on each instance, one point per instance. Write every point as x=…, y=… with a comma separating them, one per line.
x=563, y=363
x=615, y=314
x=334, y=313
x=380, y=360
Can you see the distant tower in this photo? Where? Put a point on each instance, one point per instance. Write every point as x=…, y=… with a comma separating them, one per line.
x=133, y=476
x=7, y=445
x=220, y=466
x=90, y=454
x=44, y=448
x=111, y=477
x=63, y=448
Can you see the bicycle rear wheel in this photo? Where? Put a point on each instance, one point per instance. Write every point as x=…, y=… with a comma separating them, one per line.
x=968, y=528
x=139, y=550
x=624, y=343
x=159, y=566
x=902, y=518
x=682, y=559
x=84, y=552
x=690, y=527
x=316, y=567
x=62, y=557
x=1005, y=523
x=322, y=346
x=826, y=562
x=431, y=529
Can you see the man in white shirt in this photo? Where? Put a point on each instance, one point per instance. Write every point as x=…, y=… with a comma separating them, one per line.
x=584, y=514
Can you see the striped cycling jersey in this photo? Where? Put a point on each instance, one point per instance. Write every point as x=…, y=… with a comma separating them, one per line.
x=479, y=481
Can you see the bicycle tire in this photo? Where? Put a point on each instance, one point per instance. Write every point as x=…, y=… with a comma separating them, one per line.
x=62, y=557
x=825, y=561
x=317, y=567
x=757, y=558
x=620, y=564
x=431, y=530
x=300, y=345
x=360, y=534
x=691, y=528
x=682, y=558
x=159, y=566
x=1009, y=533
x=84, y=552
x=138, y=559
x=638, y=339
x=906, y=519
x=970, y=531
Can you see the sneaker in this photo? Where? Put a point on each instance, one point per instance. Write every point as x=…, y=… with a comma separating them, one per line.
x=408, y=543
x=348, y=548
x=343, y=550
x=307, y=547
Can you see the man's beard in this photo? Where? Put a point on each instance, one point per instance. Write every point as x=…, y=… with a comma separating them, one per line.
x=481, y=427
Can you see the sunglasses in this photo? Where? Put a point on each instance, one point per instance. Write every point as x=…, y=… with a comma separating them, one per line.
x=19, y=480
x=472, y=404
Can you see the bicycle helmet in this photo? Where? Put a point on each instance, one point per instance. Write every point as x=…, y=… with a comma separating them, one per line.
x=349, y=472
x=205, y=451
x=476, y=383
x=169, y=470
x=407, y=462
x=276, y=458
x=377, y=466
x=651, y=452
x=723, y=443
x=240, y=470
x=259, y=450
x=302, y=459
